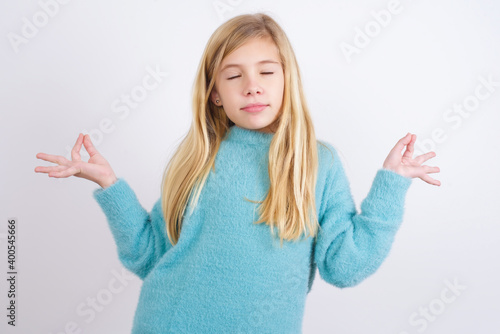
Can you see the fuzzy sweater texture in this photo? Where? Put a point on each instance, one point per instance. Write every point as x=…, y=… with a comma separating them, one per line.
x=228, y=275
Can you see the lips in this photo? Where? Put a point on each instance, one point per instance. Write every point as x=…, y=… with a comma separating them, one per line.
x=255, y=107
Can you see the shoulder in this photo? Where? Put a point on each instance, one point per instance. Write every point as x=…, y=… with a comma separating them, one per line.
x=330, y=165
x=157, y=217
x=328, y=157
x=331, y=180
x=157, y=208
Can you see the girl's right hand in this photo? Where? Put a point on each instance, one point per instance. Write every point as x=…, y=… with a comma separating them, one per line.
x=97, y=169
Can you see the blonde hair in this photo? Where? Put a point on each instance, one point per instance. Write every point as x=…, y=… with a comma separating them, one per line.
x=293, y=158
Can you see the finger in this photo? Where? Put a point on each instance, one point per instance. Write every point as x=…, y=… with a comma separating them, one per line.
x=89, y=146
x=430, y=180
x=424, y=157
x=75, y=152
x=64, y=173
x=431, y=169
x=57, y=159
x=410, y=147
x=43, y=169
x=400, y=145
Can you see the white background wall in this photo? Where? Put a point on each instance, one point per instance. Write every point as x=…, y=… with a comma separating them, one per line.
x=70, y=73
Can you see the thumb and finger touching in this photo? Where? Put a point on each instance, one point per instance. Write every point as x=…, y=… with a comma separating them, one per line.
x=92, y=170
x=412, y=166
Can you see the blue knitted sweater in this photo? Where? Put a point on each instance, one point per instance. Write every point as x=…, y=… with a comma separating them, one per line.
x=228, y=275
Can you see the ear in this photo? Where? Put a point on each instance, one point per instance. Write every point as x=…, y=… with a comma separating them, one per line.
x=214, y=96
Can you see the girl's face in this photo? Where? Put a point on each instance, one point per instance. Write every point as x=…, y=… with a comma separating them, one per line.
x=252, y=74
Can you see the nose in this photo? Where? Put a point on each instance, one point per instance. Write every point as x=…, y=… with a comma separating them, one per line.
x=252, y=86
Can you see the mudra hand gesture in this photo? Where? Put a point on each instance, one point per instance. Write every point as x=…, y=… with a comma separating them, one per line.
x=406, y=165
x=97, y=169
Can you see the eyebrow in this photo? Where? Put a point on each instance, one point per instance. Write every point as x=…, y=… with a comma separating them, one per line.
x=267, y=61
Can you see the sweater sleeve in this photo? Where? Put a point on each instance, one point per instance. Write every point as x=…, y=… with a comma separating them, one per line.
x=140, y=236
x=351, y=246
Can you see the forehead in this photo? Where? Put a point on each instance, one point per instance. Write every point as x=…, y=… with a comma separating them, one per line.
x=258, y=51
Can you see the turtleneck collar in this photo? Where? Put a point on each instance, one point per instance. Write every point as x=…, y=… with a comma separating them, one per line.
x=238, y=134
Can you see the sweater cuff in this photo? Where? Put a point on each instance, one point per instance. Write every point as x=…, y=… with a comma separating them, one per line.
x=387, y=195
x=115, y=199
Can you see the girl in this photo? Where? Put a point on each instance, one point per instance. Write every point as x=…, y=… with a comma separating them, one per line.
x=249, y=172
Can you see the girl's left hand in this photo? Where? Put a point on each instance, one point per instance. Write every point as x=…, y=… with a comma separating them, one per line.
x=407, y=166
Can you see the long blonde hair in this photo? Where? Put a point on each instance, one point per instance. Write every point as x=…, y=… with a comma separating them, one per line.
x=293, y=158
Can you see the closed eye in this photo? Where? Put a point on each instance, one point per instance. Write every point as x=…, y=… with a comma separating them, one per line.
x=237, y=76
